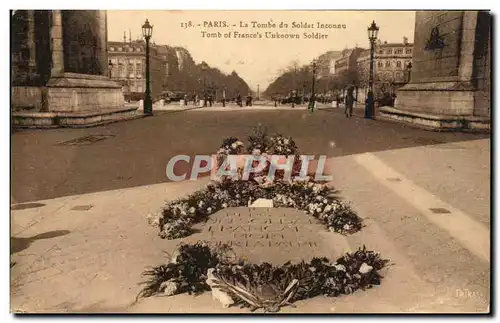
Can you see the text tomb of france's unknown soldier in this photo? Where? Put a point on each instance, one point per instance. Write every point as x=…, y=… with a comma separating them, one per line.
x=314, y=30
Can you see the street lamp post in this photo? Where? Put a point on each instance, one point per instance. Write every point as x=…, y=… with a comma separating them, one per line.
x=303, y=92
x=203, y=69
x=212, y=92
x=409, y=66
x=147, y=31
x=294, y=86
x=313, y=99
x=372, y=37
x=204, y=92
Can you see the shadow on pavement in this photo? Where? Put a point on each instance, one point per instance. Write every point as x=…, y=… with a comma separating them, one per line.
x=176, y=111
x=20, y=244
x=24, y=206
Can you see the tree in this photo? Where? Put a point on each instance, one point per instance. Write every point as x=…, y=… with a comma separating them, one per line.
x=292, y=78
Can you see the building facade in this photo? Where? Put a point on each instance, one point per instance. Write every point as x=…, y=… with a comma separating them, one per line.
x=326, y=63
x=346, y=64
x=390, y=68
x=168, y=68
x=325, y=71
x=127, y=66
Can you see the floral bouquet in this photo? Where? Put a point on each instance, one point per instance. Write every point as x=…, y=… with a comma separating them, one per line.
x=259, y=141
x=281, y=145
x=199, y=267
x=230, y=146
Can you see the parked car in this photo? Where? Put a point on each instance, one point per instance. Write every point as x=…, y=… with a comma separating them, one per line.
x=176, y=96
x=291, y=99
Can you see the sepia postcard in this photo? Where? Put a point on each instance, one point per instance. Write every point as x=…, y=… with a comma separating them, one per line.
x=250, y=161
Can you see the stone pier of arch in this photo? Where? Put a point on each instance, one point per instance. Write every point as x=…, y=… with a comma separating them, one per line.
x=450, y=79
x=60, y=70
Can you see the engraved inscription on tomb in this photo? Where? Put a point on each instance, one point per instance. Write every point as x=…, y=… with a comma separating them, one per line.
x=254, y=228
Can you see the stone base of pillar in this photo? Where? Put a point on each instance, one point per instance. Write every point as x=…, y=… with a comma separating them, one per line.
x=440, y=98
x=27, y=98
x=73, y=92
x=72, y=119
x=439, y=106
x=435, y=122
x=70, y=100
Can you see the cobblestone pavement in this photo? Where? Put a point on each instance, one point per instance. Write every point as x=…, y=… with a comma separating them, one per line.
x=61, y=162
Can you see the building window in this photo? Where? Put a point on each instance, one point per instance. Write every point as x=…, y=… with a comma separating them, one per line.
x=381, y=52
x=399, y=51
x=408, y=51
x=389, y=51
x=388, y=64
x=398, y=64
x=120, y=49
x=111, y=49
x=138, y=49
x=131, y=61
x=130, y=71
x=380, y=64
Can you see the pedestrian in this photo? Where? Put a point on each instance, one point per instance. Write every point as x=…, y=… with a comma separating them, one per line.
x=238, y=100
x=349, y=100
x=312, y=103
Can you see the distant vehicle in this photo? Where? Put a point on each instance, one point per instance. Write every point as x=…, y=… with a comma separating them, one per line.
x=173, y=96
x=291, y=99
x=248, y=100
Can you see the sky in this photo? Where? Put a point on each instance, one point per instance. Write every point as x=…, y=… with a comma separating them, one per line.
x=259, y=61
